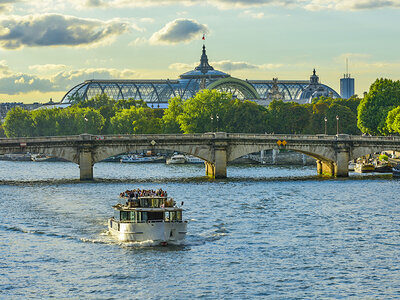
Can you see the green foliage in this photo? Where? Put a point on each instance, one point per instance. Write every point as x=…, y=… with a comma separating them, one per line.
x=125, y=104
x=45, y=122
x=287, y=117
x=347, y=120
x=197, y=112
x=245, y=116
x=209, y=110
x=18, y=123
x=136, y=120
x=393, y=120
x=383, y=96
x=2, y=133
x=383, y=157
x=352, y=103
x=170, y=118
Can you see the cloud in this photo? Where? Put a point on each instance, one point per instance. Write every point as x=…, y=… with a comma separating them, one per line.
x=350, y=4
x=252, y=14
x=47, y=68
x=4, y=69
x=7, y=5
x=178, y=31
x=182, y=66
x=56, y=30
x=14, y=83
x=235, y=4
x=226, y=65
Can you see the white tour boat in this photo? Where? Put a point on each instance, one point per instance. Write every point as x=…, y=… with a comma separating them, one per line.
x=176, y=159
x=190, y=159
x=147, y=218
x=140, y=159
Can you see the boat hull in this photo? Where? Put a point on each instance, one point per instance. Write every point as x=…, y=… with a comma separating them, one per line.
x=158, y=232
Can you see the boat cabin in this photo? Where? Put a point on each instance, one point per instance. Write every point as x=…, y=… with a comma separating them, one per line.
x=147, y=209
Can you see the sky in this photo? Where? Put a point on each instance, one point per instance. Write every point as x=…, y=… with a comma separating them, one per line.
x=47, y=47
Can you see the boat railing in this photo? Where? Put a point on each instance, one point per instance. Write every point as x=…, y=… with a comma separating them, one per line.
x=148, y=221
x=148, y=202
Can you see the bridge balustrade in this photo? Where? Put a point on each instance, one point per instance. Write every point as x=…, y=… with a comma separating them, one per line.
x=332, y=152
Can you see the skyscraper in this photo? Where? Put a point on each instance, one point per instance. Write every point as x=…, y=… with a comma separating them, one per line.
x=346, y=84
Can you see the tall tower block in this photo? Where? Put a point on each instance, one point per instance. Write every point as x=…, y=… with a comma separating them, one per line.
x=346, y=84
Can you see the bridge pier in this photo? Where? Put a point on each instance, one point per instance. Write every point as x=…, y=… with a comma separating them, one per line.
x=342, y=162
x=217, y=169
x=86, y=164
x=325, y=168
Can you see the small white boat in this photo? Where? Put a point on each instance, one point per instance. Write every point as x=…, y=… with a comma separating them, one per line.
x=352, y=165
x=190, y=159
x=148, y=218
x=139, y=159
x=42, y=157
x=176, y=159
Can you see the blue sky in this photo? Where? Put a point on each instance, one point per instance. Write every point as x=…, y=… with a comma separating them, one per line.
x=49, y=46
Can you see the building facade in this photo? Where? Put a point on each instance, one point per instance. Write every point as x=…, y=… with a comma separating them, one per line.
x=346, y=86
x=157, y=92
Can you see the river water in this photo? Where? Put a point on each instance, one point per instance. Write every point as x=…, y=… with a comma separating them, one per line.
x=265, y=232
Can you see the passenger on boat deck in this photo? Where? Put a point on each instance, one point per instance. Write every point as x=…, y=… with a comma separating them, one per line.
x=143, y=193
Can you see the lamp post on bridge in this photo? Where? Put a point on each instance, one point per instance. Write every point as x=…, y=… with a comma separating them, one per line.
x=337, y=124
x=212, y=123
x=217, y=116
x=86, y=120
x=326, y=120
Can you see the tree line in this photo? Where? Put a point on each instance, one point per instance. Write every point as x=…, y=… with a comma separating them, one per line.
x=211, y=110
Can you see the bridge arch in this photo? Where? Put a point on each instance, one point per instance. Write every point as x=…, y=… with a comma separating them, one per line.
x=101, y=153
x=363, y=151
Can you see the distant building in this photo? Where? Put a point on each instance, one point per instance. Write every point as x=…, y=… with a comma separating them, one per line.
x=156, y=93
x=346, y=86
x=7, y=106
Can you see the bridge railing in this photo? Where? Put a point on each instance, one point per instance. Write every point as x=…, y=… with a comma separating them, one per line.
x=218, y=135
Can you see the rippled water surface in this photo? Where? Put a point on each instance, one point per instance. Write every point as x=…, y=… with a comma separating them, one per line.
x=265, y=232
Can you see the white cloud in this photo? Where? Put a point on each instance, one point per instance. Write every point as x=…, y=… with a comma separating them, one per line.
x=234, y=4
x=252, y=14
x=226, y=65
x=21, y=80
x=47, y=68
x=182, y=66
x=178, y=31
x=12, y=83
x=56, y=30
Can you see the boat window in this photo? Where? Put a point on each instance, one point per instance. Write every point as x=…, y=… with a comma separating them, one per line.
x=144, y=216
x=172, y=215
x=166, y=217
x=179, y=215
x=155, y=216
x=133, y=216
x=125, y=215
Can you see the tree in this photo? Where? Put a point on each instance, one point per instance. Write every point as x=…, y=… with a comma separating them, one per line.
x=2, y=133
x=347, y=120
x=288, y=117
x=18, y=123
x=125, y=104
x=170, y=119
x=383, y=96
x=136, y=120
x=393, y=120
x=45, y=122
x=245, y=116
x=200, y=113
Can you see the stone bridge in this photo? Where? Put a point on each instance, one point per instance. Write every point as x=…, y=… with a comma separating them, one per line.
x=332, y=152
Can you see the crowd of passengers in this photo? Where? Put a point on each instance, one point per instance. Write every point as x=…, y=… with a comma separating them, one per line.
x=143, y=193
